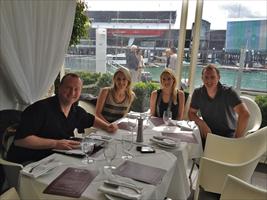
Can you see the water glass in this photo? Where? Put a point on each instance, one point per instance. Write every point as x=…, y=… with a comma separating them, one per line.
x=87, y=146
x=132, y=123
x=127, y=144
x=167, y=117
x=110, y=152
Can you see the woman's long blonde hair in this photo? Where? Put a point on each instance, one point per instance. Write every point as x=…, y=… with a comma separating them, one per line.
x=129, y=93
x=169, y=72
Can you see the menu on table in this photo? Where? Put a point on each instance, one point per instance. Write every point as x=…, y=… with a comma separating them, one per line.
x=71, y=183
x=157, y=121
x=140, y=172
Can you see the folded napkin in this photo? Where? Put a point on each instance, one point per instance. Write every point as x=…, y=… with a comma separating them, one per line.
x=120, y=191
x=186, y=125
x=41, y=167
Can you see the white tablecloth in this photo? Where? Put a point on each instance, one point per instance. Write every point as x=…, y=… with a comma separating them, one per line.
x=175, y=183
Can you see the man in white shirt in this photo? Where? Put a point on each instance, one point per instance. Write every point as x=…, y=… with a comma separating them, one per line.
x=173, y=59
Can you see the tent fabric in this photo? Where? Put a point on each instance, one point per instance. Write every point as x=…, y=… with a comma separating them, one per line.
x=34, y=36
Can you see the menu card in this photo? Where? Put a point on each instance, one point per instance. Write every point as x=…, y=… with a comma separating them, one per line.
x=71, y=183
x=140, y=172
x=184, y=137
x=157, y=121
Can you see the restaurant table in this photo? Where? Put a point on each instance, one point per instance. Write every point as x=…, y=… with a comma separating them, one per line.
x=180, y=184
x=174, y=184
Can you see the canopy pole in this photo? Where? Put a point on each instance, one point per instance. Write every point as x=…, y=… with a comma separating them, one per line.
x=195, y=46
x=181, y=42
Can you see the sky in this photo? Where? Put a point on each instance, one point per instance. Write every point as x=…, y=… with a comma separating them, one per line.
x=217, y=12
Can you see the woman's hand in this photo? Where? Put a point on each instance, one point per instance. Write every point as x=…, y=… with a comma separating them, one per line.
x=111, y=128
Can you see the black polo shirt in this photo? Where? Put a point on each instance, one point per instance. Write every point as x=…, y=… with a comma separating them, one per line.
x=45, y=119
x=218, y=112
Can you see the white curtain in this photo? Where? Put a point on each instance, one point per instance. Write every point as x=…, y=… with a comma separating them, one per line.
x=34, y=36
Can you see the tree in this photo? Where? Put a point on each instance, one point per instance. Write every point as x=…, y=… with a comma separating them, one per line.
x=81, y=24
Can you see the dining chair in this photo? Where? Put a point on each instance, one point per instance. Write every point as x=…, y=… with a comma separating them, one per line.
x=255, y=119
x=88, y=107
x=236, y=189
x=236, y=156
x=10, y=194
x=11, y=172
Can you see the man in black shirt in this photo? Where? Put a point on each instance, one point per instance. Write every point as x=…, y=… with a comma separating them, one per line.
x=218, y=105
x=48, y=124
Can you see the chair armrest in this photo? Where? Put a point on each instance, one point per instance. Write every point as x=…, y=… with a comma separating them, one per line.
x=213, y=173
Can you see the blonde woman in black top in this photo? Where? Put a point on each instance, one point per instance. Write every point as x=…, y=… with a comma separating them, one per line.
x=168, y=97
x=115, y=101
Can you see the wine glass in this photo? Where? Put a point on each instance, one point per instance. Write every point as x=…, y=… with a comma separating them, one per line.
x=167, y=117
x=127, y=144
x=87, y=146
x=110, y=151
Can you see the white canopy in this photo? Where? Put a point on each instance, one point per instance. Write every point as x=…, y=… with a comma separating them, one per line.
x=34, y=36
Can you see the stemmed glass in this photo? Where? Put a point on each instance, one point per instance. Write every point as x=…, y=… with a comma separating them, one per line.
x=167, y=117
x=127, y=144
x=110, y=151
x=87, y=146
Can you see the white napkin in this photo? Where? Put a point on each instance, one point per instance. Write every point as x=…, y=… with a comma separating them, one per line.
x=41, y=167
x=186, y=125
x=120, y=191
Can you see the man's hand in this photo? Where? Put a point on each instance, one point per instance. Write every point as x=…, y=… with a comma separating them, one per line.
x=204, y=129
x=67, y=144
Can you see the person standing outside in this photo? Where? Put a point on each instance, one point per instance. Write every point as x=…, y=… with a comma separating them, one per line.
x=132, y=63
x=173, y=59
x=222, y=110
x=141, y=63
x=167, y=54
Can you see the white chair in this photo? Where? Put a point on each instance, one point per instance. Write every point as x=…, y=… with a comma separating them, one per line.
x=235, y=156
x=11, y=171
x=10, y=194
x=88, y=107
x=255, y=119
x=236, y=189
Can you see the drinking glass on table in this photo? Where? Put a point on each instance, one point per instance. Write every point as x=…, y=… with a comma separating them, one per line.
x=87, y=146
x=110, y=152
x=132, y=123
x=167, y=117
x=127, y=144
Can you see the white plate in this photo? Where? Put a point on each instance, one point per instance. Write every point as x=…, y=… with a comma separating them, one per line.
x=111, y=197
x=166, y=146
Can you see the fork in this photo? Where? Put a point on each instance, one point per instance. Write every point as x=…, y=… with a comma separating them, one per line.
x=41, y=163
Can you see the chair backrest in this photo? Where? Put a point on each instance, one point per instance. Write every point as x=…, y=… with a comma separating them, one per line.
x=236, y=189
x=235, y=156
x=234, y=150
x=9, y=120
x=11, y=171
x=88, y=107
x=10, y=194
x=255, y=119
